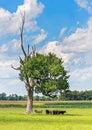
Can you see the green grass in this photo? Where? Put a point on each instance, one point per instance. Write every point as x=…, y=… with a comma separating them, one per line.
x=78, y=116
x=74, y=119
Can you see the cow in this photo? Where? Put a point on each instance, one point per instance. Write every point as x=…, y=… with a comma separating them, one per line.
x=55, y=112
x=49, y=111
x=62, y=112
x=38, y=111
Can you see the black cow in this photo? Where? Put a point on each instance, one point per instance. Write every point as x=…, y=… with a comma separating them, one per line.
x=55, y=112
x=62, y=112
x=49, y=111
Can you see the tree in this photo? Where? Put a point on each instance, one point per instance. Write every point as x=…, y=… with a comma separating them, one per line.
x=41, y=73
x=3, y=96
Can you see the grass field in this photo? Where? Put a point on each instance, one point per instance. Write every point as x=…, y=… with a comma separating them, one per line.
x=14, y=118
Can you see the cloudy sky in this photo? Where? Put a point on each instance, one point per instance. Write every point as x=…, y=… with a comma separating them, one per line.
x=60, y=26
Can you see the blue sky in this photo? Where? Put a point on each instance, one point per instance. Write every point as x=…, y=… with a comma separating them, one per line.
x=60, y=26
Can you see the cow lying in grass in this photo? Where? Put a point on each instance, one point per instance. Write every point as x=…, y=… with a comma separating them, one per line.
x=38, y=111
x=55, y=112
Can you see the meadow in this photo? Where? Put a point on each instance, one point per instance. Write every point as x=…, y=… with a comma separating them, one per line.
x=78, y=116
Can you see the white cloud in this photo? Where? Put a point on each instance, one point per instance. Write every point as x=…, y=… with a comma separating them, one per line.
x=7, y=72
x=13, y=45
x=57, y=48
x=80, y=79
x=10, y=22
x=87, y=5
x=77, y=60
x=40, y=37
x=62, y=32
x=5, y=66
x=80, y=40
x=9, y=81
x=87, y=58
x=82, y=3
x=75, y=47
x=3, y=48
x=82, y=74
x=12, y=86
x=7, y=63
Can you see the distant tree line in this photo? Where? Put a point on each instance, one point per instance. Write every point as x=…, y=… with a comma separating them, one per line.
x=66, y=95
x=15, y=97
x=76, y=95
x=3, y=96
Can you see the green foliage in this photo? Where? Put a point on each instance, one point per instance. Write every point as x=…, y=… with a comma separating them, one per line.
x=47, y=72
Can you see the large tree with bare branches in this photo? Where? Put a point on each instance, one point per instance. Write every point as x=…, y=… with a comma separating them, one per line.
x=41, y=73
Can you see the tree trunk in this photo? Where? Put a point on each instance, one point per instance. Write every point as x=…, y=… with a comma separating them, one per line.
x=29, y=101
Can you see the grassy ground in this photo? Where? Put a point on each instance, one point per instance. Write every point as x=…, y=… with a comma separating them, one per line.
x=14, y=118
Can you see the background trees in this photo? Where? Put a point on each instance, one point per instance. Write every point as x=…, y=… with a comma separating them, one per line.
x=76, y=95
x=69, y=95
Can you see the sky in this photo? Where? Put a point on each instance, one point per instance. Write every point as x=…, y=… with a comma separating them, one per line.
x=63, y=27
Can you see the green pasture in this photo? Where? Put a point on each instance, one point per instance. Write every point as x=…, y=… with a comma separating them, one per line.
x=13, y=118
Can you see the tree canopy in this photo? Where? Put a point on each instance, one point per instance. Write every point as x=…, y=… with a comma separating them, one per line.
x=47, y=72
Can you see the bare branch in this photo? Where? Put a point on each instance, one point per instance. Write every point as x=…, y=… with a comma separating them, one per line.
x=33, y=50
x=36, y=84
x=28, y=50
x=21, y=61
x=21, y=33
x=18, y=68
